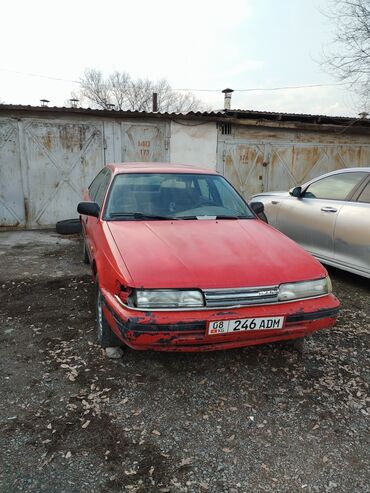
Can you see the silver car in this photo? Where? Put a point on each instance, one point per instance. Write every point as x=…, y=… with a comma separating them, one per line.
x=329, y=216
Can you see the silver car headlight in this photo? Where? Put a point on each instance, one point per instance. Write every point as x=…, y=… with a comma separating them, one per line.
x=167, y=298
x=305, y=289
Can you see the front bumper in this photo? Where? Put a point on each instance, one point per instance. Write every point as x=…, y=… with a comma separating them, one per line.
x=188, y=330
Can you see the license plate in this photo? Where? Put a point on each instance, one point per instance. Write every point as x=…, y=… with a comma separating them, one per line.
x=245, y=324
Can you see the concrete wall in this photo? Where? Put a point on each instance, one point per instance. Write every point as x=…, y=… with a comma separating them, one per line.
x=194, y=143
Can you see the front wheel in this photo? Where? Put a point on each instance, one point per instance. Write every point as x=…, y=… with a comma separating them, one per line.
x=106, y=337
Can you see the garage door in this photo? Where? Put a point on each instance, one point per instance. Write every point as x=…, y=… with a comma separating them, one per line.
x=12, y=203
x=61, y=158
x=244, y=165
x=254, y=167
x=145, y=142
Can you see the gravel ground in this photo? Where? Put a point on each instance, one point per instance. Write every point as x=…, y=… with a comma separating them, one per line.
x=259, y=419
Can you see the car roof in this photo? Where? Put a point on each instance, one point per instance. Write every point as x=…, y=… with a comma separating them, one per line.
x=150, y=167
x=348, y=170
x=336, y=172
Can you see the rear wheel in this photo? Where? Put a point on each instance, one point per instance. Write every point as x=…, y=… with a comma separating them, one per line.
x=106, y=337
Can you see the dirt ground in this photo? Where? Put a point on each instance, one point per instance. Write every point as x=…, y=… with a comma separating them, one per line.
x=259, y=419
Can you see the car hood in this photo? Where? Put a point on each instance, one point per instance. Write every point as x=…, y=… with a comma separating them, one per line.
x=210, y=254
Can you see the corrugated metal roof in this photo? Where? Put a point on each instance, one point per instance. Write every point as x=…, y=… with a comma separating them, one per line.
x=296, y=117
x=103, y=112
x=217, y=115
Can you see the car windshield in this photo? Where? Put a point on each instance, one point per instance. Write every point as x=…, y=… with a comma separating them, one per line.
x=135, y=196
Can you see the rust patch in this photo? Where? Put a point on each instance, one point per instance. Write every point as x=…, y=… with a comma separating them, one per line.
x=47, y=141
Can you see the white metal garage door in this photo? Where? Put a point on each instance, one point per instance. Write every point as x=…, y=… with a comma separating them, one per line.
x=145, y=142
x=12, y=203
x=62, y=158
x=254, y=167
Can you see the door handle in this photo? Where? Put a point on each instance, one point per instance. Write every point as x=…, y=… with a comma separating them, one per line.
x=275, y=202
x=328, y=209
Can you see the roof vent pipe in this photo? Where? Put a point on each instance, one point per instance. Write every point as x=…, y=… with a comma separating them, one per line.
x=44, y=102
x=227, y=100
x=73, y=102
x=155, y=102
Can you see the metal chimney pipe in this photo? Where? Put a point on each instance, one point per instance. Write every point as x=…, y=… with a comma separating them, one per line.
x=155, y=102
x=74, y=102
x=227, y=100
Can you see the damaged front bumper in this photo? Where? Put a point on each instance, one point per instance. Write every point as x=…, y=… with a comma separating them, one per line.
x=188, y=330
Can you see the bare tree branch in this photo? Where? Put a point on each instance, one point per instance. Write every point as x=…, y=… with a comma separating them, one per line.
x=94, y=88
x=124, y=93
x=348, y=59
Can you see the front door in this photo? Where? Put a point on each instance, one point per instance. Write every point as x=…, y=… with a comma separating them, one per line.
x=310, y=219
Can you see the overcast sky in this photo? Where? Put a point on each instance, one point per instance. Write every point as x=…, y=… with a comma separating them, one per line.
x=195, y=44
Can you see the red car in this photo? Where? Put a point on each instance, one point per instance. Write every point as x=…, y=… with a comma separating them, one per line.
x=182, y=263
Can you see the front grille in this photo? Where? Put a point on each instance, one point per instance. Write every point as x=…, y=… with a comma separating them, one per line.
x=223, y=298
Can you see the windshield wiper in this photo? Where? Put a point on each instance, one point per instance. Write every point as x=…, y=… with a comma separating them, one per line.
x=210, y=216
x=138, y=215
x=187, y=217
x=234, y=217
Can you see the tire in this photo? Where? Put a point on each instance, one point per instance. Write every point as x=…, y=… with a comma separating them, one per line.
x=68, y=227
x=86, y=259
x=106, y=337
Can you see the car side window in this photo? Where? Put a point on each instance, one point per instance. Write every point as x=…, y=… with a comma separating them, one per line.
x=94, y=187
x=365, y=194
x=99, y=197
x=335, y=187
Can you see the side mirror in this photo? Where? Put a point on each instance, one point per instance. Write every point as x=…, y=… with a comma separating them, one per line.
x=257, y=207
x=88, y=209
x=295, y=192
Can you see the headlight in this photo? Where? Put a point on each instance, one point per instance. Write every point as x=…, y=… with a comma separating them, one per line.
x=167, y=298
x=306, y=289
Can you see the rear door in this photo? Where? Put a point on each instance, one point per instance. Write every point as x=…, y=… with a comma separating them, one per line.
x=352, y=232
x=310, y=219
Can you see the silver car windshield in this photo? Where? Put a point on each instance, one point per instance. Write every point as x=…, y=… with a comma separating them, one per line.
x=135, y=196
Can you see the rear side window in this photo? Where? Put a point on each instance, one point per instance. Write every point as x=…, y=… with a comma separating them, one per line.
x=99, y=197
x=94, y=187
x=365, y=194
x=336, y=187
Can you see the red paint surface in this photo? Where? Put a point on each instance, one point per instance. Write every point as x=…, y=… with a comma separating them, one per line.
x=210, y=254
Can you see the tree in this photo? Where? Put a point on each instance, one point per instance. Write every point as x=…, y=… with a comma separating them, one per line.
x=349, y=58
x=121, y=92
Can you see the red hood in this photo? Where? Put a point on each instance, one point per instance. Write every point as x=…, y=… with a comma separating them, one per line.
x=210, y=254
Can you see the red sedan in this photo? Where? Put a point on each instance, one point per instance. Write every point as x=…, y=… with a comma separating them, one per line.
x=182, y=263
